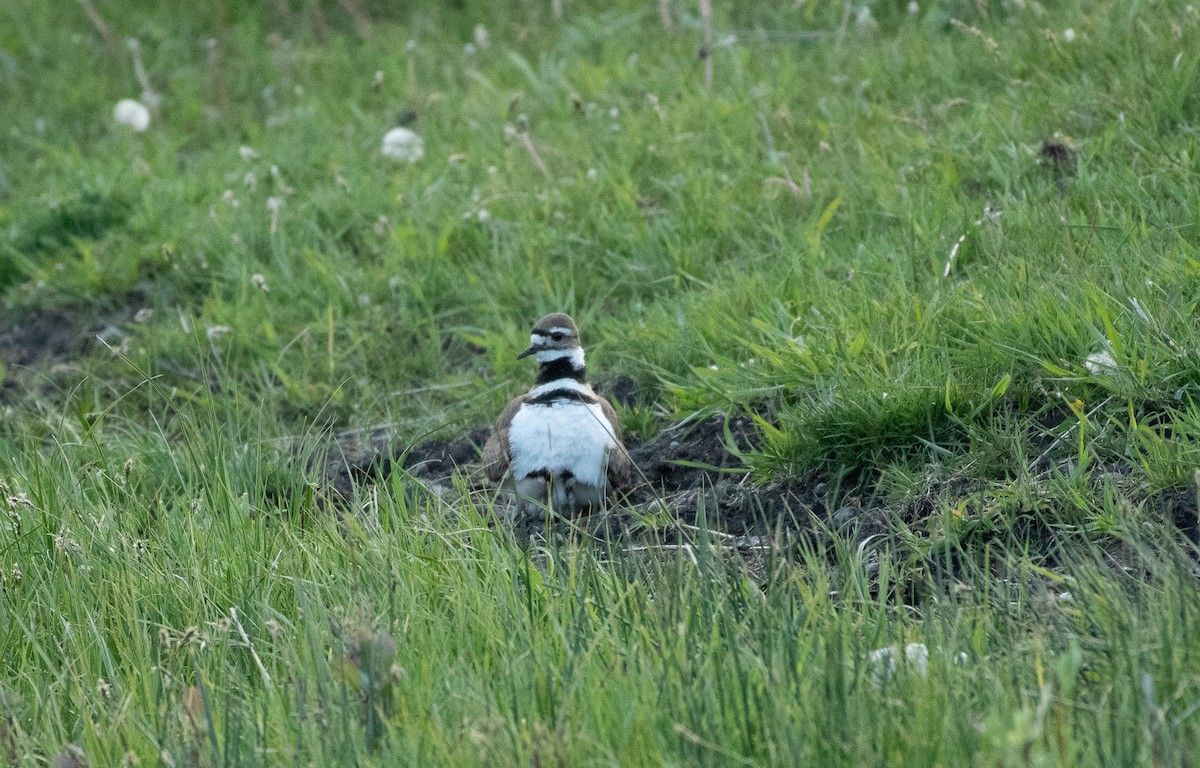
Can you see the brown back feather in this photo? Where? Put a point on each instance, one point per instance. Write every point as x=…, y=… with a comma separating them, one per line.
x=620, y=466
x=496, y=453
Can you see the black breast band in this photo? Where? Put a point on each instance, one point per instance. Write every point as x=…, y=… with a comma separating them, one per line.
x=559, y=395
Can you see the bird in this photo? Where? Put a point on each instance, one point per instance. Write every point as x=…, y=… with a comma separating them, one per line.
x=558, y=447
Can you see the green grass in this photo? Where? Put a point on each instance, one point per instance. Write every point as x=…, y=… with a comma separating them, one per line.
x=908, y=321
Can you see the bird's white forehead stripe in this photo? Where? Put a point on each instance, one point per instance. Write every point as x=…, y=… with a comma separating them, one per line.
x=538, y=337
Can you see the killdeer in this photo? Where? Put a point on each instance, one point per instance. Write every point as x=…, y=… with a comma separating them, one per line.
x=559, y=446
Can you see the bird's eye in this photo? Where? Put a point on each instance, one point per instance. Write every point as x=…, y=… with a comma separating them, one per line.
x=556, y=336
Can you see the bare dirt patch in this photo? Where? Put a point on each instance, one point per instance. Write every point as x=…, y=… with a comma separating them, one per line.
x=691, y=478
x=692, y=471
x=33, y=341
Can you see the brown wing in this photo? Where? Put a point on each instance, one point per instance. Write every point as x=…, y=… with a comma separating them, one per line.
x=496, y=455
x=620, y=466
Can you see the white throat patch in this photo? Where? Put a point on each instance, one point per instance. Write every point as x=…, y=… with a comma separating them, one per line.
x=575, y=354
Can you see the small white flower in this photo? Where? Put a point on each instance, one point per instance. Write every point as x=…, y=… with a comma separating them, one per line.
x=1065, y=597
x=865, y=21
x=1069, y=35
x=1100, y=363
x=403, y=144
x=259, y=282
x=484, y=216
x=410, y=46
x=592, y=173
x=470, y=49
x=132, y=114
x=492, y=170
x=614, y=113
x=482, y=38
x=248, y=154
x=914, y=7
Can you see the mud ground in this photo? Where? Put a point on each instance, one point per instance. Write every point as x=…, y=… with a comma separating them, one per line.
x=692, y=481
x=36, y=344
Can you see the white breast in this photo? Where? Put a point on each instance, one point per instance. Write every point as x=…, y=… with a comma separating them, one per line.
x=563, y=436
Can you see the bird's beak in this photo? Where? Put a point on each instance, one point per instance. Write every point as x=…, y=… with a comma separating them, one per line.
x=527, y=353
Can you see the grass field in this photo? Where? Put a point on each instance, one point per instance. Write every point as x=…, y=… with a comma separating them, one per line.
x=929, y=274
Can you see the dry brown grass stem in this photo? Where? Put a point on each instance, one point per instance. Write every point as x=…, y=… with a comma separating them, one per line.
x=97, y=21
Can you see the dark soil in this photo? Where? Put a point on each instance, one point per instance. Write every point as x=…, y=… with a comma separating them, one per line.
x=693, y=472
x=34, y=340
x=688, y=470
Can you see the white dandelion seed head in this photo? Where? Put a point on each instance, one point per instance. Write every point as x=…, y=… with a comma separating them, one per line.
x=259, y=282
x=1100, y=363
x=592, y=173
x=864, y=20
x=484, y=216
x=1069, y=35
x=404, y=145
x=482, y=38
x=132, y=114
x=914, y=7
